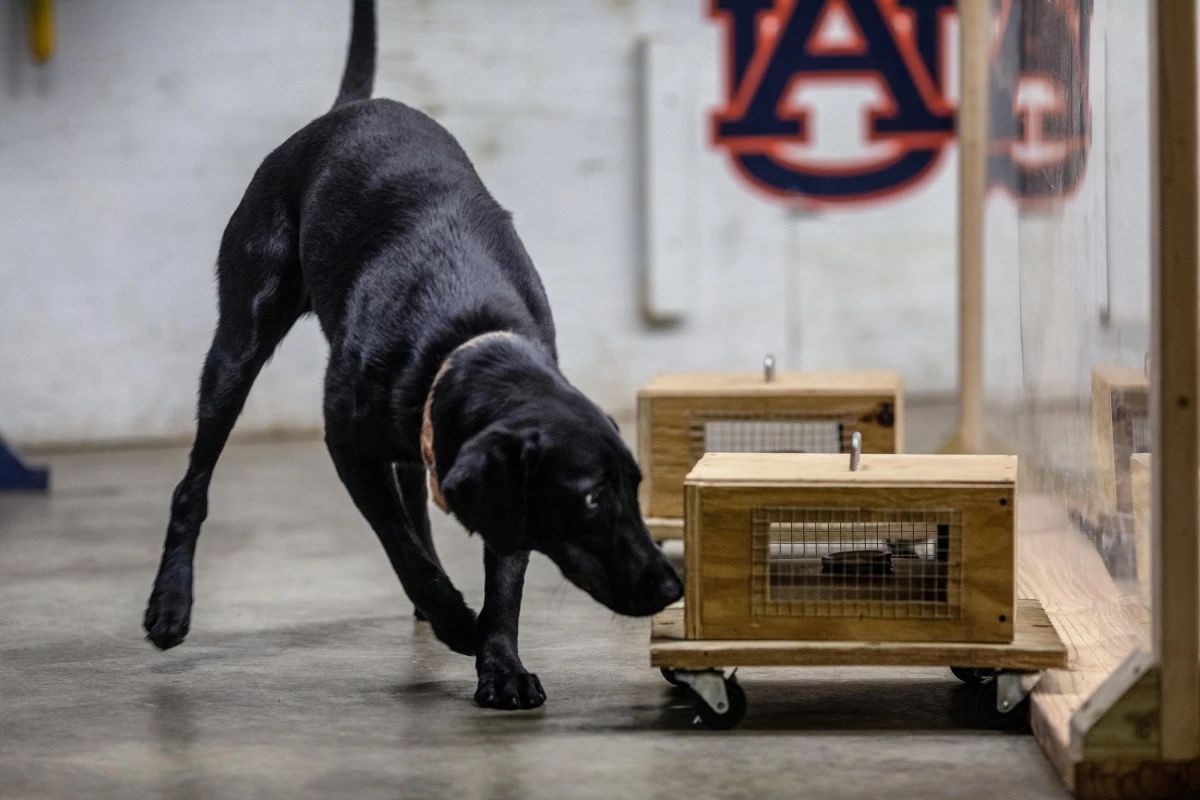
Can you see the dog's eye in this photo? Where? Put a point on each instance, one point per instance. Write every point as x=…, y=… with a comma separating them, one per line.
x=591, y=501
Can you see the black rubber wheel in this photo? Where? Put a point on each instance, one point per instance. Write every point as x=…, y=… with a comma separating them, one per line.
x=670, y=677
x=988, y=716
x=973, y=676
x=731, y=716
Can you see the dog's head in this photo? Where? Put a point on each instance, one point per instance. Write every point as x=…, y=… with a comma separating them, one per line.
x=557, y=478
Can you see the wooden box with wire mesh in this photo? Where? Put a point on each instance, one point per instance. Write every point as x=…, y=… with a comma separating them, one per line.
x=798, y=546
x=1120, y=429
x=681, y=416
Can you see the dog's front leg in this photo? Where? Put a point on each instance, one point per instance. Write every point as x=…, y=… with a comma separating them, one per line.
x=503, y=680
x=427, y=585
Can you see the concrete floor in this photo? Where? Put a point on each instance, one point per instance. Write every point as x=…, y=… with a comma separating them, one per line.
x=305, y=675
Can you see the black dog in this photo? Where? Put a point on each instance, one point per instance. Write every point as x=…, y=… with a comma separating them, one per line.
x=373, y=218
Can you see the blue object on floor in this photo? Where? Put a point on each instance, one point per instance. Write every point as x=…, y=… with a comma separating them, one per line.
x=14, y=475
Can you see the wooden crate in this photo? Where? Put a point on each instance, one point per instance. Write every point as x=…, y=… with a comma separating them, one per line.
x=776, y=547
x=681, y=414
x=1120, y=428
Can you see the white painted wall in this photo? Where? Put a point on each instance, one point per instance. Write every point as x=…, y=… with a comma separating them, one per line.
x=121, y=160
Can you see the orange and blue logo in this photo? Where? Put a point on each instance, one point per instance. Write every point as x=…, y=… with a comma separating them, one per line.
x=787, y=60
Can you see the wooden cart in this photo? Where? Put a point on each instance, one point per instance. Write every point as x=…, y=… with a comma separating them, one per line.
x=876, y=560
x=1005, y=671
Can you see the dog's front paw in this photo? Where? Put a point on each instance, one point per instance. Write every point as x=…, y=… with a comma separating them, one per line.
x=455, y=626
x=508, y=686
x=168, y=616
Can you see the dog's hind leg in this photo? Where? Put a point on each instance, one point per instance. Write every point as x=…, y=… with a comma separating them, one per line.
x=261, y=296
x=369, y=481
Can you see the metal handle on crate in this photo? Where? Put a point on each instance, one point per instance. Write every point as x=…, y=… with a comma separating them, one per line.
x=855, y=450
x=768, y=368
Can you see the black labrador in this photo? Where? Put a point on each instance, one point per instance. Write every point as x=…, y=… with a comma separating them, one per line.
x=442, y=362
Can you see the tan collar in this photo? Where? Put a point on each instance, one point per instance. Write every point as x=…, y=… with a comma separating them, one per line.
x=435, y=484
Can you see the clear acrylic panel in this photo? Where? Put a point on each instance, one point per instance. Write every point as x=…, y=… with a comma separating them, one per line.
x=1067, y=316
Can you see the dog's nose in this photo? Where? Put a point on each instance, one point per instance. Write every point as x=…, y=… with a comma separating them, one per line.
x=668, y=590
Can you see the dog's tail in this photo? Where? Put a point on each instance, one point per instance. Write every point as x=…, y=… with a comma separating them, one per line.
x=360, y=61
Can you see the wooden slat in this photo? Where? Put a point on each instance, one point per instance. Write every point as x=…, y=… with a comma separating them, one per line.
x=1103, y=436
x=663, y=529
x=1143, y=545
x=751, y=384
x=1035, y=646
x=875, y=469
x=1121, y=377
x=1174, y=299
x=974, y=40
x=898, y=431
x=694, y=549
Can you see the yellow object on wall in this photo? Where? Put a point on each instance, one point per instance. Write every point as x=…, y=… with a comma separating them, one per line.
x=41, y=30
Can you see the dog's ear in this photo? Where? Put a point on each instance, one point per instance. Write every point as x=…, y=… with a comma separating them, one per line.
x=487, y=487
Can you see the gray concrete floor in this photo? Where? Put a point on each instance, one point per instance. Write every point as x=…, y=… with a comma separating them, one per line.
x=305, y=675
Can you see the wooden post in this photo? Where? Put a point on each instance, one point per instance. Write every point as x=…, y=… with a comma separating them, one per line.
x=973, y=44
x=1174, y=311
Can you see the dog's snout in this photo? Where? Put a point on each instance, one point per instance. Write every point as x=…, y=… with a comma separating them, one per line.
x=669, y=589
x=661, y=587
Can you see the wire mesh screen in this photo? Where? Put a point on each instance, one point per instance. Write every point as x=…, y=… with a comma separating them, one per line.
x=1141, y=432
x=857, y=562
x=740, y=432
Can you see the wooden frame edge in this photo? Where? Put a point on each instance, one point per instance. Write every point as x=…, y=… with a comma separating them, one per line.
x=1174, y=300
x=974, y=26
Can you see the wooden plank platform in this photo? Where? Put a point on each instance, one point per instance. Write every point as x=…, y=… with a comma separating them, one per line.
x=1101, y=623
x=1035, y=646
x=663, y=529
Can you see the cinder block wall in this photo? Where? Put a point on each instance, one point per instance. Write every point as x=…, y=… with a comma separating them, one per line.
x=121, y=160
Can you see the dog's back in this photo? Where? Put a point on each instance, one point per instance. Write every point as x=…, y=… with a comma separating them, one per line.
x=376, y=179
x=381, y=226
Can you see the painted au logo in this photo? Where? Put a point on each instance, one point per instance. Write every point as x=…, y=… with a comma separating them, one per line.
x=801, y=72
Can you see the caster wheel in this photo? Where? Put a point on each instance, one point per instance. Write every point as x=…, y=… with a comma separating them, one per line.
x=988, y=716
x=670, y=677
x=731, y=716
x=973, y=675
